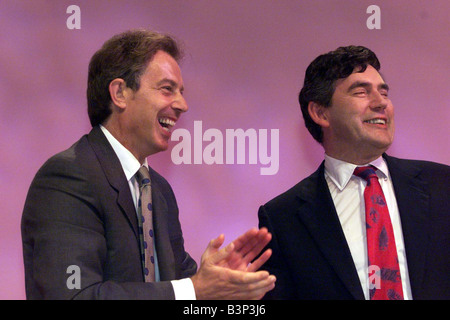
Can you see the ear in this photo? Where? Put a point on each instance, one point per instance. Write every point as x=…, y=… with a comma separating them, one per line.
x=318, y=114
x=117, y=89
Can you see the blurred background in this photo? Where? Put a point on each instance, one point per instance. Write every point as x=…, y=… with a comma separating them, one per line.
x=244, y=66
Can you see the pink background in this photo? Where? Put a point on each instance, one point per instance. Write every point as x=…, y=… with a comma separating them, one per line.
x=244, y=65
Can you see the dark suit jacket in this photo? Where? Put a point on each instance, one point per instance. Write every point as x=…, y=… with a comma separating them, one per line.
x=79, y=211
x=311, y=258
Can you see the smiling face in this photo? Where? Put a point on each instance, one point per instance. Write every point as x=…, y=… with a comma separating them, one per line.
x=144, y=121
x=360, y=121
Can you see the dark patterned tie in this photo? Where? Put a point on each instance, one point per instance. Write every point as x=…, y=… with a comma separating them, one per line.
x=145, y=221
x=384, y=272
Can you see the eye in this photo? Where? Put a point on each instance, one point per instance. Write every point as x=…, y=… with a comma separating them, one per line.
x=167, y=89
x=360, y=92
x=384, y=93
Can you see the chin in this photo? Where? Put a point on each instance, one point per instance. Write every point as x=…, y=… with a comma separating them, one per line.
x=382, y=148
x=162, y=147
x=382, y=142
x=158, y=147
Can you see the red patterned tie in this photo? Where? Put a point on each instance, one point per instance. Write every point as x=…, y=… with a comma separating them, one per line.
x=384, y=273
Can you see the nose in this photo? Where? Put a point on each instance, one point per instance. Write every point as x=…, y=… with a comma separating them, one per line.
x=180, y=103
x=378, y=101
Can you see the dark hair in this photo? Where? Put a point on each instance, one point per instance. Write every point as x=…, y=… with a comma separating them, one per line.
x=124, y=56
x=322, y=74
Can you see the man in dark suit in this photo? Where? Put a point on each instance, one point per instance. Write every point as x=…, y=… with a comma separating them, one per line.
x=319, y=228
x=80, y=226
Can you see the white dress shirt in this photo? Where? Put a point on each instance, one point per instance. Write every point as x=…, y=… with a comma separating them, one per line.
x=183, y=289
x=347, y=192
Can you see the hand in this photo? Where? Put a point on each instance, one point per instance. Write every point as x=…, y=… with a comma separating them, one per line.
x=228, y=274
x=246, y=248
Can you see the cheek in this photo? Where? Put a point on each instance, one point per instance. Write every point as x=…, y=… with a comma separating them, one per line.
x=391, y=115
x=344, y=118
x=147, y=113
x=392, y=128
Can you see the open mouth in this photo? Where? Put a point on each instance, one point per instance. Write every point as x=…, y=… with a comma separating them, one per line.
x=376, y=121
x=166, y=123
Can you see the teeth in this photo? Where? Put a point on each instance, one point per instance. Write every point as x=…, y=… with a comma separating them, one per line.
x=167, y=121
x=376, y=121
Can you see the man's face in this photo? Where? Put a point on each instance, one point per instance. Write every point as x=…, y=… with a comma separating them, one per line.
x=155, y=108
x=361, y=118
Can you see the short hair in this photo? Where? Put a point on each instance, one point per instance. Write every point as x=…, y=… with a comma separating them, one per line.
x=321, y=76
x=124, y=56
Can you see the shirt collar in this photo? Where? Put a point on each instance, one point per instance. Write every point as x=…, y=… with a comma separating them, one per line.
x=340, y=172
x=130, y=164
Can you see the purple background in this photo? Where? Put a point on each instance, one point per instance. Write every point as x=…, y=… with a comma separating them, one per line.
x=244, y=66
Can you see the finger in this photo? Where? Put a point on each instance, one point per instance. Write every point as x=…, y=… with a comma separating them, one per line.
x=235, y=262
x=253, y=240
x=263, y=241
x=244, y=254
x=213, y=246
x=253, y=250
x=217, y=242
x=256, y=290
x=221, y=254
x=260, y=261
x=263, y=285
x=259, y=293
x=238, y=277
x=243, y=239
x=242, y=244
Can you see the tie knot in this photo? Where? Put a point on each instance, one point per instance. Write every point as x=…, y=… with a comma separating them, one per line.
x=143, y=176
x=365, y=173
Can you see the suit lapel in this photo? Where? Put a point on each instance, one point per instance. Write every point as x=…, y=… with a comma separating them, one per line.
x=114, y=173
x=116, y=177
x=413, y=204
x=166, y=260
x=319, y=215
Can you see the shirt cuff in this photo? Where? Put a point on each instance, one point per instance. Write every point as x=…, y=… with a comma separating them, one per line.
x=183, y=289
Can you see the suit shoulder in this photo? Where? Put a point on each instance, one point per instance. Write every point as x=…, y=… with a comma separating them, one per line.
x=65, y=170
x=418, y=162
x=303, y=189
x=64, y=160
x=427, y=168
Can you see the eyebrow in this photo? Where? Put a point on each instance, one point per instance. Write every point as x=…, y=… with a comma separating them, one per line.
x=364, y=84
x=171, y=82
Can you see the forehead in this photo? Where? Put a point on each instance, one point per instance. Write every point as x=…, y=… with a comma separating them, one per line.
x=369, y=76
x=163, y=66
